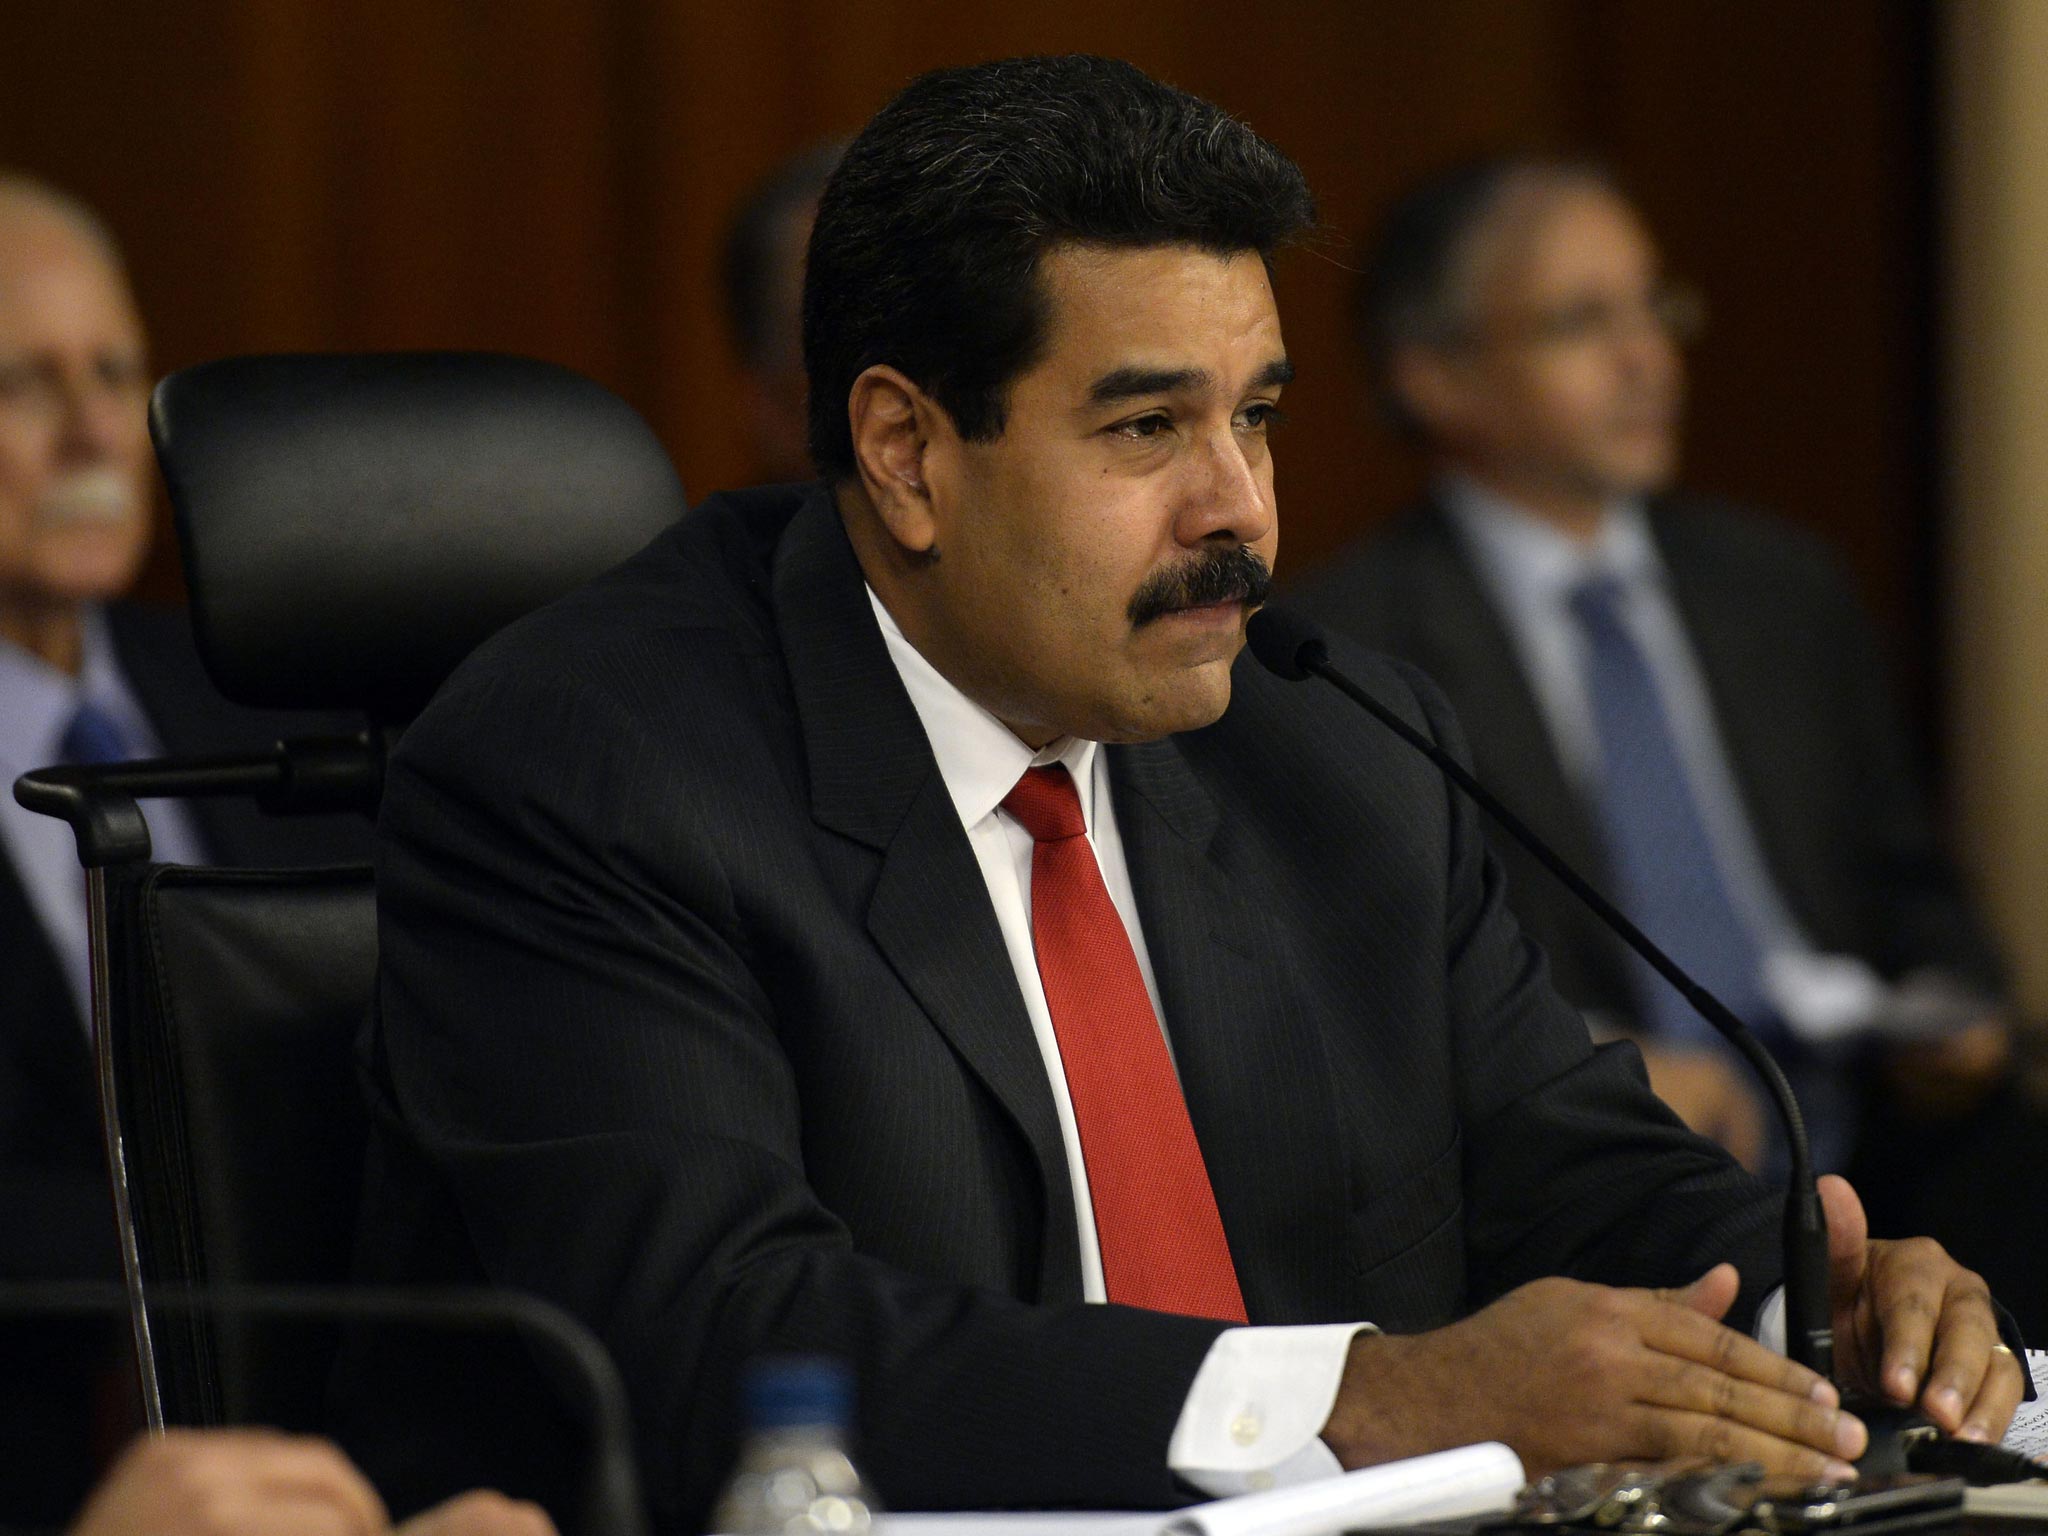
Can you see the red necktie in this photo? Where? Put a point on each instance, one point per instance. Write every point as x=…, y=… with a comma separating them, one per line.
x=1155, y=1215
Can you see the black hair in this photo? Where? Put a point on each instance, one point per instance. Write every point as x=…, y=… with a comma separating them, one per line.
x=754, y=249
x=926, y=248
x=1409, y=290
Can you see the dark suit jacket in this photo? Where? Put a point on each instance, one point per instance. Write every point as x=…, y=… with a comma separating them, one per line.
x=1797, y=687
x=695, y=1018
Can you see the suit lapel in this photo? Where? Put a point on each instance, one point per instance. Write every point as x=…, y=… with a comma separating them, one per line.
x=190, y=718
x=1246, y=1044
x=1740, y=666
x=1475, y=661
x=873, y=779
x=43, y=1045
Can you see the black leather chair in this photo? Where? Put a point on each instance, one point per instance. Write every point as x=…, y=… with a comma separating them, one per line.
x=351, y=527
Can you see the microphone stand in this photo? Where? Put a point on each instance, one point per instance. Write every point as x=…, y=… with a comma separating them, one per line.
x=1291, y=648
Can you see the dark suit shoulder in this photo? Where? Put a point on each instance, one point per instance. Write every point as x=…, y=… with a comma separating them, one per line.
x=1745, y=544
x=648, y=709
x=1298, y=760
x=708, y=573
x=1296, y=716
x=1387, y=589
x=1363, y=571
x=679, y=632
x=1754, y=586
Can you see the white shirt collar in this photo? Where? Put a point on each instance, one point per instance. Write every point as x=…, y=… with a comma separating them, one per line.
x=979, y=758
x=37, y=701
x=1521, y=552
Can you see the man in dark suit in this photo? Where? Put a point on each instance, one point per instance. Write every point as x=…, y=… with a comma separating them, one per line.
x=883, y=918
x=81, y=678
x=1520, y=330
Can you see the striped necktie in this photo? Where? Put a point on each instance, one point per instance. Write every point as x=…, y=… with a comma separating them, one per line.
x=1657, y=841
x=93, y=736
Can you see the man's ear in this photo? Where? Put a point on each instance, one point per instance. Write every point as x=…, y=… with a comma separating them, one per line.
x=891, y=419
x=1429, y=386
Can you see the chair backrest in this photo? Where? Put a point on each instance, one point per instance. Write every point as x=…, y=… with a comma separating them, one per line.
x=238, y=997
x=351, y=528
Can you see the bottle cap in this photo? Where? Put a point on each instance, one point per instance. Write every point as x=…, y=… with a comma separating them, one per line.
x=785, y=1391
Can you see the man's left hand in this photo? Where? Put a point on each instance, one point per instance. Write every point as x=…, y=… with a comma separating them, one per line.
x=1915, y=1327
x=1948, y=1077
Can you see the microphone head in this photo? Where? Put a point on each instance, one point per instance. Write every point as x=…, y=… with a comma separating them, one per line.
x=1285, y=643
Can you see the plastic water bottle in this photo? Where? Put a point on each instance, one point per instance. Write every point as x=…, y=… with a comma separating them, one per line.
x=794, y=1476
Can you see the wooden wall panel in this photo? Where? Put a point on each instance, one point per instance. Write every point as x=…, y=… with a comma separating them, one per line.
x=1363, y=95
x=553, y=178
x=1781, y=151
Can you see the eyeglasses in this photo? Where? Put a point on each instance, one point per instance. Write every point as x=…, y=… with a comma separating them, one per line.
x=1677, y=310
x=43, y=387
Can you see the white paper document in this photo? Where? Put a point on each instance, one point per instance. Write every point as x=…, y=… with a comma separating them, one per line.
x=2029, y=1432
x=1447, y=1485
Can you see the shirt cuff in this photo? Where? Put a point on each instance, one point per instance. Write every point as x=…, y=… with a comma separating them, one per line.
x=1255, y=1414
x=1770, y=1322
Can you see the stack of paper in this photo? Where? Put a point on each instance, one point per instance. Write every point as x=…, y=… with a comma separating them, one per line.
x=2029, y=1432
x=1448, y=1485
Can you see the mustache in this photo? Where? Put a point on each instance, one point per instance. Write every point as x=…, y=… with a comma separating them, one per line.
x=1217, y=575
x=96, y=496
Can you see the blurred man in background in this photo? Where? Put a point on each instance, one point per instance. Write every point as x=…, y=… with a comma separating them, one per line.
x=1682, y=697
x=83, y=678
x=763, y=275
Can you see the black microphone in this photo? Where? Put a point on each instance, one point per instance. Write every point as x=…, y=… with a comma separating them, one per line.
x=1290, y=646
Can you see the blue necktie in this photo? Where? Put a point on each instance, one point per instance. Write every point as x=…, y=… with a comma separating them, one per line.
x=93, y=736
x=1657, y=843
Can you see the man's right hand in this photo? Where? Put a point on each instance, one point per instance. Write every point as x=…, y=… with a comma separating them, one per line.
x=1565, y=1372
x=257, y=1482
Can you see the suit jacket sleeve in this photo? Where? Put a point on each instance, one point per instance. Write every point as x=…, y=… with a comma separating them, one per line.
x=1918, y=912
x=1572, y=1165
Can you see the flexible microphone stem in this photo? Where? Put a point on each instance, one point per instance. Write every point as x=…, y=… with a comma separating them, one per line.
x=1290, y=647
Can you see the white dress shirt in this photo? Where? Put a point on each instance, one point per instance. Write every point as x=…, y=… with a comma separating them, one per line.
x=37, y=703
x=1253, y=1417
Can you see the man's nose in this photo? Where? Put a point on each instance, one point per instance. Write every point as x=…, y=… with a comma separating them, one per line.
x=1229, y=498
x=1648, y=352
x=100, y=419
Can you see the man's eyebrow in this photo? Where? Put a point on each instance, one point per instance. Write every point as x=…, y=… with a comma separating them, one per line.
x=1132, y=382
x=1277, y=372
x=1129, y=383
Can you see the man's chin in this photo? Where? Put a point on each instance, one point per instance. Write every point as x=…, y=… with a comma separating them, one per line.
x=1639, y=469
x=1186, y=700
x=91, y=565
